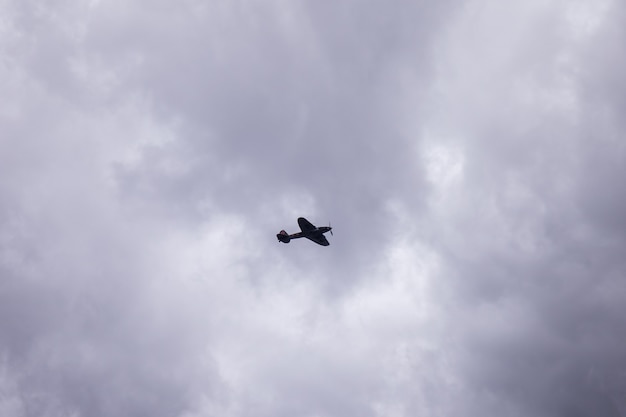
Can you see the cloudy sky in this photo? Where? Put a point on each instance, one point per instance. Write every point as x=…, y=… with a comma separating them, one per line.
x=470, y=155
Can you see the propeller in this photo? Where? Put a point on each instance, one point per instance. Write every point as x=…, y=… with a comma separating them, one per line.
x=331, y=229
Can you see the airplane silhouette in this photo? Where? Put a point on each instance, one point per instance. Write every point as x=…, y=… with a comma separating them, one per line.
x=316, y=234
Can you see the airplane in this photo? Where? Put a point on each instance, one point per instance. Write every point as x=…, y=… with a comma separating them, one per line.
x=316, y=234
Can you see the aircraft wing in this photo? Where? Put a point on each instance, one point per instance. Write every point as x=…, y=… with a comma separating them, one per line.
x=319, y=239
x=306, y=225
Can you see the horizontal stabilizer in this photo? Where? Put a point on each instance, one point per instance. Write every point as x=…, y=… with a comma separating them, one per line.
x=283, y=237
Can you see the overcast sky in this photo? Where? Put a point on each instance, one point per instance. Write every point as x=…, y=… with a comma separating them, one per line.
x=470, y=155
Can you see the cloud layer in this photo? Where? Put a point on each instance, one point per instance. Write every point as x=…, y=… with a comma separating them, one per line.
x=468, y=154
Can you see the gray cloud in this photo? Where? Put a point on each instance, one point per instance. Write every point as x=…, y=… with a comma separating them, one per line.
x=467, y=153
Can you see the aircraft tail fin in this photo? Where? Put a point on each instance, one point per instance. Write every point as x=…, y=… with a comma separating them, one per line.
x=283, y=236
